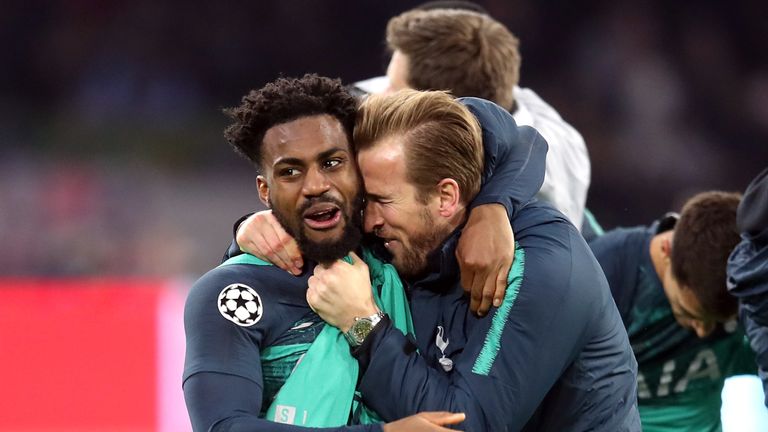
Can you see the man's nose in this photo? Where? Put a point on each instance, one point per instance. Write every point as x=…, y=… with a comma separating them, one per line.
x=315, y=182
x=372, y=218
x=703, y=329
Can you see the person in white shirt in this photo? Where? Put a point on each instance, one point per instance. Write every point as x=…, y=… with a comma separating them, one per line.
x=444, y=46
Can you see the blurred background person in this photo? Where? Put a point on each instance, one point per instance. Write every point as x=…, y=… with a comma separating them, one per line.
x=441, y=47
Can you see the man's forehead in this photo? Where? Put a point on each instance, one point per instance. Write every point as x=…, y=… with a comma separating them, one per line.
x=304, y=137
x=313, y=125
x=389, y=150
x=383, y=166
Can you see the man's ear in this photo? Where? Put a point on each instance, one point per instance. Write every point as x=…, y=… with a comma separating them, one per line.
x=666, y=247
x=263, y=187
x=450, y=197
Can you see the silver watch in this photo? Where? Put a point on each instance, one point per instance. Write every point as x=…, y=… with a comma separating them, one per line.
x=361, y=328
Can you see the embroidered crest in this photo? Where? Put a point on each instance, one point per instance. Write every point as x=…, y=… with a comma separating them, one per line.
x=442, y=344
x=240, y=304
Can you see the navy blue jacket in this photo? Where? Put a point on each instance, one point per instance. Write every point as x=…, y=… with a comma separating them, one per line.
x=748, y=270
x=564, y=360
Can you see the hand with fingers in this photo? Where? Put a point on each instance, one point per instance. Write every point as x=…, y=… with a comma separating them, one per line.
x=485, y=252
x=262, y=236
x=425, y=422
x=341, y=292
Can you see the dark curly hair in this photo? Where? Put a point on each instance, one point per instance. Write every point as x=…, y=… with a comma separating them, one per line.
x=282, y=101
x=704, y=237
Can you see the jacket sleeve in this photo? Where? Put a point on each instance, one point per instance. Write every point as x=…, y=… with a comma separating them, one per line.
x=515, y=157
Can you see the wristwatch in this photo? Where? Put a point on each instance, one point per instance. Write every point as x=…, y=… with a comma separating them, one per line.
x=362, y=328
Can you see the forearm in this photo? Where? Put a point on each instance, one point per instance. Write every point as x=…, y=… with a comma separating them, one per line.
x=398, y=382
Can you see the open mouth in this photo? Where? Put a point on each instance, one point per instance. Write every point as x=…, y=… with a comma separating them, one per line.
x=322, y=216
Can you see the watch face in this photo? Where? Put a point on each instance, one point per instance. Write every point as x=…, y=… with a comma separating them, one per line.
x=361, y=329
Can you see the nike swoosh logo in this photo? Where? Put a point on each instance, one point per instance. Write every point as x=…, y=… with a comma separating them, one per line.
x=302, y=325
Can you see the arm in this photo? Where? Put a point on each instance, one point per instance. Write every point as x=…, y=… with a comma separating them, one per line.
x=516, y=383
x=568, y=167
x=513, y=174
x=515, y=158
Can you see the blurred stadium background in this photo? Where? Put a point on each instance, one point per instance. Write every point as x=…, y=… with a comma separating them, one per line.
x=117, y=188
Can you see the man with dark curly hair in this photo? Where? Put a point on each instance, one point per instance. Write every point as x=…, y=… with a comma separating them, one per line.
x=336, y=220
x=257, y=354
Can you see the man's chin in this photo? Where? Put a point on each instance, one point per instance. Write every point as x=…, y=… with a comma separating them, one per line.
x=408, y=267
x=328, y=246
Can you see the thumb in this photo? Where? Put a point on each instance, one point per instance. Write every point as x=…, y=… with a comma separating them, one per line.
x=355, y=258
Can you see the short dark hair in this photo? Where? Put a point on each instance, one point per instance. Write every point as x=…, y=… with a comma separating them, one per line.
x=282, y=101
x=704, y=237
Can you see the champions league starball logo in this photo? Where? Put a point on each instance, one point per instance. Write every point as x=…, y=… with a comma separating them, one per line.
x=240, y=304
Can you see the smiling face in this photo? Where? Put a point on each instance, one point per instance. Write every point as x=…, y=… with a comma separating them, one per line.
x=311, y=184
x=409, y=227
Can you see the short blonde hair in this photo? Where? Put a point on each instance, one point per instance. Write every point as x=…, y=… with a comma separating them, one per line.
x=467, y=53
x=442, y=138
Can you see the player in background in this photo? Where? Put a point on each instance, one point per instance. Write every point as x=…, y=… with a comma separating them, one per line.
x=456, y=46
x=668, y=280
